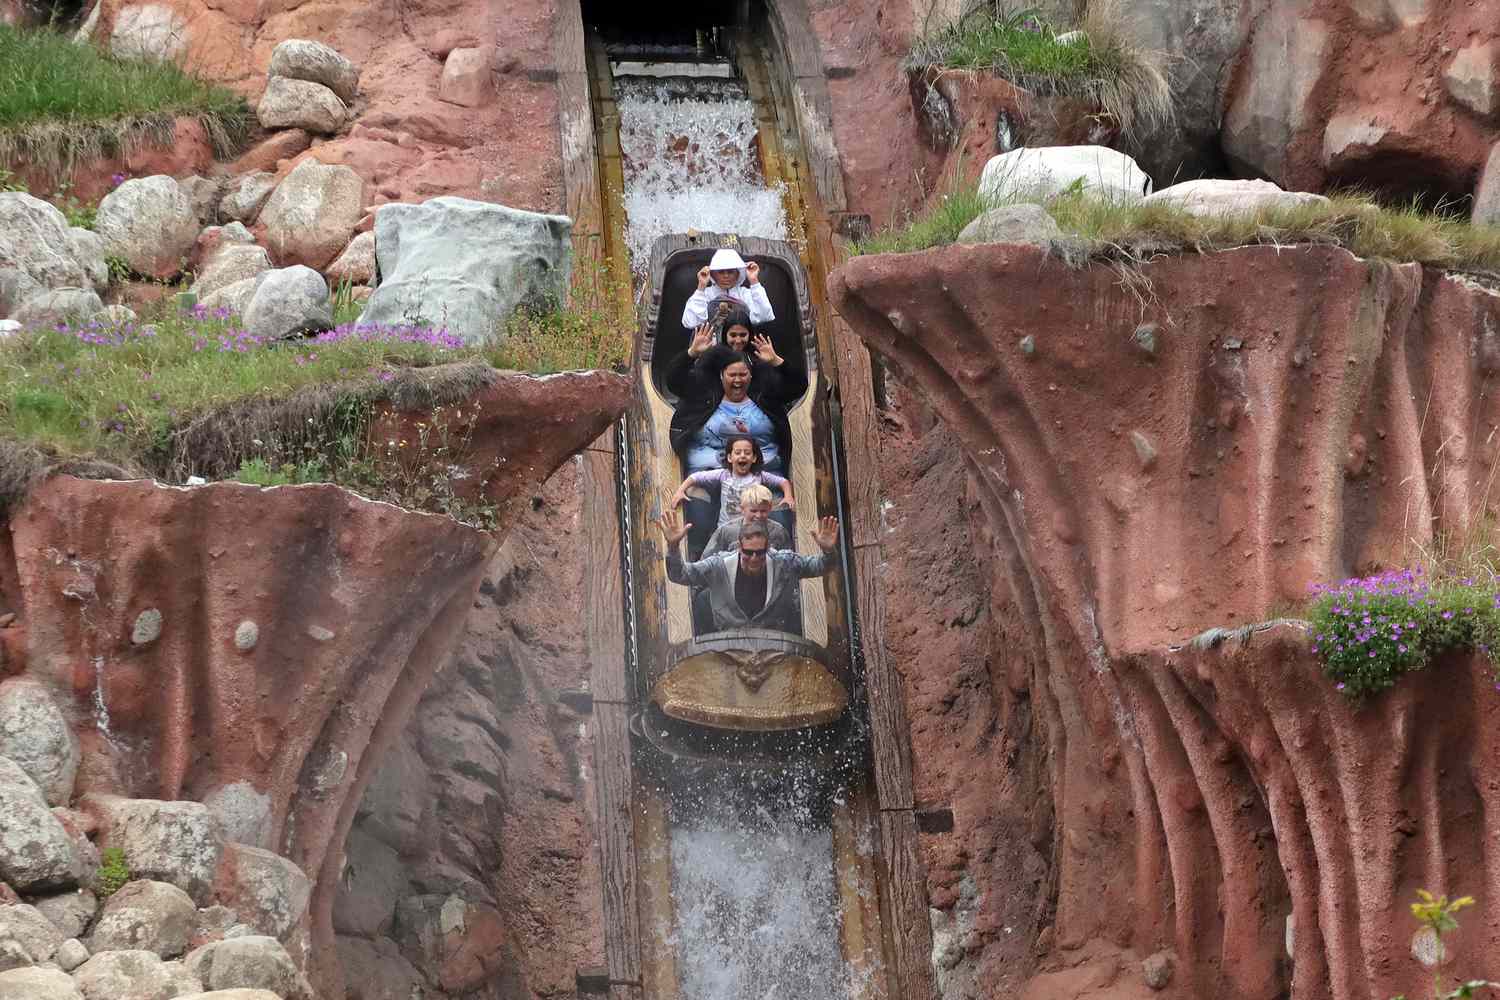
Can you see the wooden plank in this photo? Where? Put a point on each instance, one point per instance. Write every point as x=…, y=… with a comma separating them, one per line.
x=622, y=926
x=906, y=890
x=860, y=932
x=619, y=991
x=652, y=833
x=890, y=735
x=576, y=131
x=604, y=603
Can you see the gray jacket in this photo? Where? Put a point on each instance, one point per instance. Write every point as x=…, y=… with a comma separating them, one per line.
x=726, y=538
x=716, y=573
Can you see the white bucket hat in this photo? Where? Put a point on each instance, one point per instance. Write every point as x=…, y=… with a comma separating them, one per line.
x=727, y=260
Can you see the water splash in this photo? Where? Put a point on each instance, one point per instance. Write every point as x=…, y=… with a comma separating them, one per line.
x=755, y=899
x=692, y=161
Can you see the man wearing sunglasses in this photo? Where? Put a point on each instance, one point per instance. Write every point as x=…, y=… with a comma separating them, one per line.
x=754, y=586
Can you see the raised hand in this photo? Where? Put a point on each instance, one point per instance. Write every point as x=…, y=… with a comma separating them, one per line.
x=765, y=350
x=673, y=530
x=752, y=272
x=703, y=339
x=828, y=534
x=703, y=278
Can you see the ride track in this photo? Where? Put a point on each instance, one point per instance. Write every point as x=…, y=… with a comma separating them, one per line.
x=638, y=624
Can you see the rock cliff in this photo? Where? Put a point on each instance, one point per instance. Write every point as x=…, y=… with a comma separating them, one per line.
x=1189, y=443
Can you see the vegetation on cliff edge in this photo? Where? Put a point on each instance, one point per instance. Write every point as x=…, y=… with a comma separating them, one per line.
x=1097, y=63
x=62, y=102
x=1104, y=229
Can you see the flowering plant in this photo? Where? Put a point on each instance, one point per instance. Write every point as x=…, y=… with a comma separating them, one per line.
x=1368, y=631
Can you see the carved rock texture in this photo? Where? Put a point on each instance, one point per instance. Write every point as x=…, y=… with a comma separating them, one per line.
x=1304, y=414
x=356, y=604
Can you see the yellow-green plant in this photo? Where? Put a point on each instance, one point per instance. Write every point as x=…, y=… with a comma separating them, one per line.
x=114, y=872
x=1436, y=913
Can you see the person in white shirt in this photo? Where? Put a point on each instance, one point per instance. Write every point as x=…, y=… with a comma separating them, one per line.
x=727, y=276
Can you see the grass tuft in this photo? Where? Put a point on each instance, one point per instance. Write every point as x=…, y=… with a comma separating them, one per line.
x=1104, y=68
x=62, y=102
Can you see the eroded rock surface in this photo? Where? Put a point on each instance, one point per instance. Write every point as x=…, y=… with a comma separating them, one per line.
x=1277, y=432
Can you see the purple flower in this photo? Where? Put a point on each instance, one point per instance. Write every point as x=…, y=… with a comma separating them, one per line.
x=1340, y=686
x=1447, y=615
x=117, y=179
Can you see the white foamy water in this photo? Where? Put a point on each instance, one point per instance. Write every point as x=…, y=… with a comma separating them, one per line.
x=756, y=905
x=691, y=163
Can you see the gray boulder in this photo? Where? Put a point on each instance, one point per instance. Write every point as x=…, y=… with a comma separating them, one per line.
x=1270, y=104
x=88, y=250
x=269, y=892
x=203, y=193
x=176, y=842
x=38, y=984
x=35, y=734
x=36, y=852
x=149, y=31
x=146, y=915
x=1023, y=223
x=71, y=954
x=150, y=223
x=60, y=305
x=1487, y=194
x=315, y=62
x=70, y=912
x=309, y=216
x=257, y=963
x=245, y=196
x=231, y=262
x=289, y=302
x=133, y=975
x=234, y=995
x=1470, y=77
x=288, y=103
x=234, y=298
x=1037, y=174
x=466, y=265
x=243, y=812
x=114, y=316
x=32, y=935
x=37, y=250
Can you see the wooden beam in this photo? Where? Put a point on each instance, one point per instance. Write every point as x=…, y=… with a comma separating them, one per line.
x=622, y=925
x=604, y=603
x=906, y=888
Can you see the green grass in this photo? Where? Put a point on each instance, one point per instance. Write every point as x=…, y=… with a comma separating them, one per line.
x=61, y=102
x=1103, y=68
x=1103, y=229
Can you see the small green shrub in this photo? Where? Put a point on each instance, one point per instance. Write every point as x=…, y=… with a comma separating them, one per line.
x=114, y=872
x=1369, y=631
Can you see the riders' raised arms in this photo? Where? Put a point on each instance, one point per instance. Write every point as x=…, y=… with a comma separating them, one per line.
x=728, y=276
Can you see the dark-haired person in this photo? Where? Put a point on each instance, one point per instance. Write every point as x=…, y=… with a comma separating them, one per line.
x=755, y=586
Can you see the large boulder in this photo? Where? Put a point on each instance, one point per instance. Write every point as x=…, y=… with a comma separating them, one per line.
x=1223, y=197
x=230, y=263
x=300, y=59
x=133, y=975
x=233, y=299
x=38, y=984
x=1043, y=173
x=466, y=77
x=59, y=305
x=35, y=734
x=309, y=217
x=37, y=250
x=88, y=250
x=289, y=302
x=176, y=842
x=148, y=31
x=1487, y=194
x=150, y=223
x=252, y=962
x=70, y=912
x=269, y=892
x=288, y=103
x=245, y=196
x=36, y=852
x=466, y=265
x=203, y=194
x=146, y=915
x=1471, y=77
x=31, y=934
x=1270, y=104
x=458, y=944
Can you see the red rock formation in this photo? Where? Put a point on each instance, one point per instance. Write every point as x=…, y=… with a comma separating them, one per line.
x=1399, y=94
x=1186, y=444
x=296, y=626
